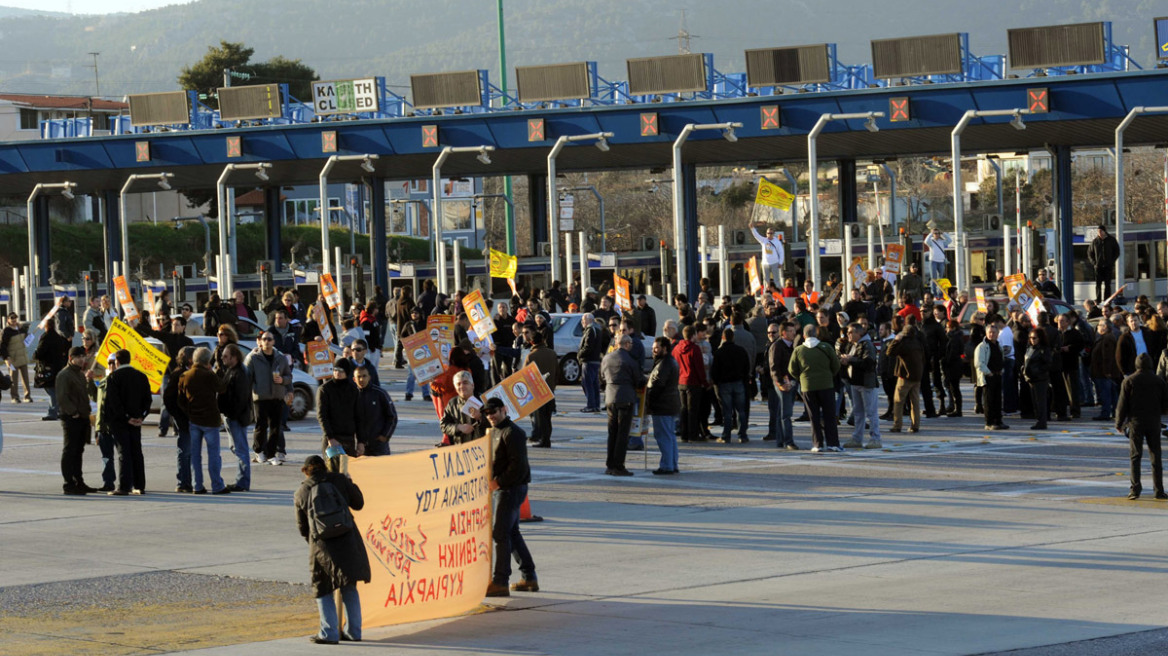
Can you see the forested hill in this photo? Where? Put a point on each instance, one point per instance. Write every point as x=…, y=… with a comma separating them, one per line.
x=144, y=51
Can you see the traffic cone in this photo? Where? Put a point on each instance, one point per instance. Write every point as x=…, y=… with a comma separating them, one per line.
x=525, y=512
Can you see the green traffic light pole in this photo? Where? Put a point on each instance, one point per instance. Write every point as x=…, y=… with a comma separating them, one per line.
x=510, y=223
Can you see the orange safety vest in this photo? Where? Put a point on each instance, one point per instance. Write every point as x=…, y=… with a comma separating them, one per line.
x=813, y=297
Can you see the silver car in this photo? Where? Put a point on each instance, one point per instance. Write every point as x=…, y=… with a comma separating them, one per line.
x=568, y=332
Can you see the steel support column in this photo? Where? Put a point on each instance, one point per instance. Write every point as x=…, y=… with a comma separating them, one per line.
x=112, y=234
x=273, y=221
x=537, y=206
x=44, y=249
x=688, y=186
x=380, y=261
x=1064, y=223
x=848, y=194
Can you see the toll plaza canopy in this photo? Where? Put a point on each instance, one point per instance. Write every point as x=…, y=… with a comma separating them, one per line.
x=1080, y=111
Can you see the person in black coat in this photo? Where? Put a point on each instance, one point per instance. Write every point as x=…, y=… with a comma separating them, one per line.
x=376, y=415
x=182, y=423
x=663, y=403
x=952, y=359
x=1102, y=254
x=336, y=412
x=52, y=352
x=731, y=370
x=1066, y=397
x=645, y=317
x=336, y=563
x=1036, y=371
x=1143, y=400
x=510, y=475
x=127, y=402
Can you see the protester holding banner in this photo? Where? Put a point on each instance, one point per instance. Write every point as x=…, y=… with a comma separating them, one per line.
x=336, y=412
x=935, y=244
x=127, y=402
x=510, y=475
x=462, y=419
x=335, y=563
x=416, y=324
x=14, y=352
x=549, y=366
x=772, y=254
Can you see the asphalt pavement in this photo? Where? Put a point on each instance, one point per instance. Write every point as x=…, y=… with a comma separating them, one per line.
x=950, y=541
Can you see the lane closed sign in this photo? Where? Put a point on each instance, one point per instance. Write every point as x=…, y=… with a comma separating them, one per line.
x=344, y=97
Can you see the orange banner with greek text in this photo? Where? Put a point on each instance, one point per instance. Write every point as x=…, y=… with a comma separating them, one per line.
x=427, y=529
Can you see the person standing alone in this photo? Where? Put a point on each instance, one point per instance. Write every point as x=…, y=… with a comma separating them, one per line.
x=1143, y=399
x=73, y=397
x=1102, y=254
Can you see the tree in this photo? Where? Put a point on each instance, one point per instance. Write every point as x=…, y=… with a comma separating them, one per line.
x=206, y=75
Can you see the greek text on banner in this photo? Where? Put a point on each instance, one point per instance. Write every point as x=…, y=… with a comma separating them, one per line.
x=427, y=528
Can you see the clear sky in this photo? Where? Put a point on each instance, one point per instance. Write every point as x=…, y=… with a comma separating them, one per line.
x=91, y=6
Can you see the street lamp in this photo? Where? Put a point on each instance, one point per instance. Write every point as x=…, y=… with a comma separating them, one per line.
x=259, y=169
x=436, y=206
x=601, y=139
x=1119, y=186
x=33, y=268
x=679, y=241
x=163, y=182
x=959, y=268
x=367, y=166
x=813, y=179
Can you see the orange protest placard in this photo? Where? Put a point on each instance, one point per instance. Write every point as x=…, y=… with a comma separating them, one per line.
x=321, y=319
x=427, y=529
x=328, y=287
x=320, y=359
x=981, y=301
x=752, y=274
x=623, y=300
x=522, y=392
x=476, y=310
x=424, y=356
x=893, y=258
x=1014, y=282
x=441, y=329
x=122, y=292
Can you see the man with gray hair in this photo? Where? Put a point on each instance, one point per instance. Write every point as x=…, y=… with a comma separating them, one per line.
x=622, y=378
x=462, y=421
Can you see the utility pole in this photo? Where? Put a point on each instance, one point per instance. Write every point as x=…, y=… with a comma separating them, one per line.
x=96, y=79
x=683, y=37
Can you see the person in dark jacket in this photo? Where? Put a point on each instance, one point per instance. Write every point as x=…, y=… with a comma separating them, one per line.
x=335, y=563
x=174, y=371
x=953, y=364
x=589, y=355
x=933, y=328
x=236, y=407
x=376, y=415
x=461, y=422
x=781, y=404
x=215, y=313
x=692, y=382
x=1102, y=254
x=52, y=352
x=336, y=412
x=544, y=358
x=1066, y=396
x=198, y=397
x=1105, y=372
x=510, y=475
x=908, y=353
x=1036, y=371
x=663, y=403
x=731, y=371
x=286, y=335
x=73, y=395
x=1132, y=342
x=1143, y=400
x=127, y=402
x=860, y=364
x=645, y=317
x=622, y=377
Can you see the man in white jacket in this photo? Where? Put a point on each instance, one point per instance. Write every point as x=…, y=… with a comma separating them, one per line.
x=935, y=245
x=772, y=255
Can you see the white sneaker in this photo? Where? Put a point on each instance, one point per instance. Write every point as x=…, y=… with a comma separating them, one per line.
x=815, y=449
x=279, y=459
x=259, y=457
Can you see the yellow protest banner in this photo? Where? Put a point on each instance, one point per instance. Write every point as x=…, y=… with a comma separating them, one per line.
x=772, y=195
x=427, y=529
x=982, y=306
x=944, y=284
x=143, y=356
x=503, y=265
x=858, y=273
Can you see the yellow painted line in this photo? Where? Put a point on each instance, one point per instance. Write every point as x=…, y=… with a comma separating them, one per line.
x=1143, y=502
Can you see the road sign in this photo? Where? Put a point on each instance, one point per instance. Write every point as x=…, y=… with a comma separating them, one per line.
x=770, y=117
x=832, y=246
x=898, y=109
x=328, y=141
x=235, y=146
x=1038, y=100
x=344, y=97
x=649, y=124
x=1162, y=38
x=429, y=136
x=535, y=129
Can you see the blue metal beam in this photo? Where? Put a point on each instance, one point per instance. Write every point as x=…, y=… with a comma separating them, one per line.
x=273, y=212
x=1065, y=230
x=380, y=261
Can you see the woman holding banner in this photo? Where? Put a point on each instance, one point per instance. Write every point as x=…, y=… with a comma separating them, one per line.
x=13, y=351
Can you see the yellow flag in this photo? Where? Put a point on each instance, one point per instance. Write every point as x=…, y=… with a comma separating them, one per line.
x=143, y=356
x=503, y=265
x=772, y=195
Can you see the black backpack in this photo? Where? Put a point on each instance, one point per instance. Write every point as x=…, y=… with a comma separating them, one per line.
x=328, y=512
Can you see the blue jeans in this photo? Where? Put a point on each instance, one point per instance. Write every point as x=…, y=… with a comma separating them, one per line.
x=328, y=615
x=865, y=406
x=508, y=540
x=782, y=408
x=591, y=382
x=1088, y=391
x=665, y=432
x=412, y=383
x=377, y=448
x=1105, y=389
x=1009, y=387
x=936, y=270
x=733, y=397
x=210, y=435
x=242, y=453
x=164, y=414
x=53, y=409
x=183, y=455
x=105, y=443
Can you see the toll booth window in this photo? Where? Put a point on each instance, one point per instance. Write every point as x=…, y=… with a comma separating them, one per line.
x=1161, y=260
x=456, y=215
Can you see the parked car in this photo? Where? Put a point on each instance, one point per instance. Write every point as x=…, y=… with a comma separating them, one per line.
x=568, y=333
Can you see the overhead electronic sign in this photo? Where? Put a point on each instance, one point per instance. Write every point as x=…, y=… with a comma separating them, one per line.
x=1162, y=38
x=170, y=108
x=257, y=101
x=345, y=97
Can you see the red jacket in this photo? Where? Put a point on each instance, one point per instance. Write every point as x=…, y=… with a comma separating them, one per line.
x=691, y=369
x=911, y=309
